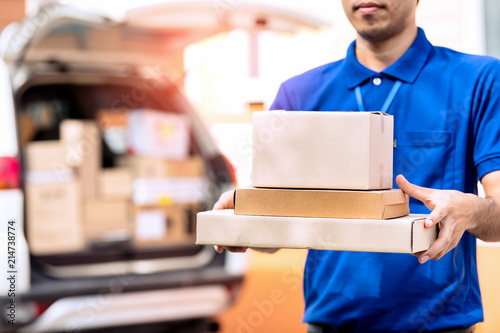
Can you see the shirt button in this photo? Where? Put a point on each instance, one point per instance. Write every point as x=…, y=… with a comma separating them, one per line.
x=377, y=81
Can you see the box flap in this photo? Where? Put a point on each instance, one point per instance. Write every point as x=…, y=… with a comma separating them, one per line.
x=422, y=238
x=396, y=210
x=395, y=204
x=380, y=113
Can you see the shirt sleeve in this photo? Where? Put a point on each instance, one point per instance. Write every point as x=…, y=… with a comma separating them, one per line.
x=281, y=102
x=486, y=123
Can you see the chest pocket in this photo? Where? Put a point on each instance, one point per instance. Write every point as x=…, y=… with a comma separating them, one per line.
x=426, y=158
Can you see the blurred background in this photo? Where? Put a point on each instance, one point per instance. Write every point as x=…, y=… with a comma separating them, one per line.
x=229, y=75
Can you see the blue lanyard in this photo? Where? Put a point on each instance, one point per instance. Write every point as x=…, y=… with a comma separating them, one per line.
x=388, y=101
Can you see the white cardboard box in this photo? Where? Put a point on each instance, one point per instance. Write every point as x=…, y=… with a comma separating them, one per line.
x=330, y=150
x=159, y=134
x=401, y=235
x=168, y=190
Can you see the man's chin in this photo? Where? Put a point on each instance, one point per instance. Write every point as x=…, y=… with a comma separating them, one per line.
x=375, y=34
x=372, y=36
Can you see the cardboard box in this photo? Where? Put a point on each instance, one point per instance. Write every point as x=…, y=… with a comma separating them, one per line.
x=401, y=235
x=152, y=167
x=165, y=225
x=115, y=183
x=378, y=205
x=51, y=176
x=159, y=134
x=330, y=150
x=45, y=155
x=54, y=212
x=48, y=161
x=107, y=118
x=106, y=219
x=166, y=191
x=83, y=140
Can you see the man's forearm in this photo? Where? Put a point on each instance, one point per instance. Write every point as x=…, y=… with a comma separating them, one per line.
x=487, y=219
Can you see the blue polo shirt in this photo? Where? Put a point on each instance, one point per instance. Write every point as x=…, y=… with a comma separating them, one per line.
x=447, y=129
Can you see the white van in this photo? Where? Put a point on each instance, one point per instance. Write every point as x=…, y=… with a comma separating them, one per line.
x=72, y=63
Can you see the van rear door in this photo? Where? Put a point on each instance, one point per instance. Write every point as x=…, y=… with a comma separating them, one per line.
x=146, y=35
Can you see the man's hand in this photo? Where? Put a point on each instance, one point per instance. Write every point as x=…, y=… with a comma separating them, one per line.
x=235, y=249
x=226, y=202
x=455, y=212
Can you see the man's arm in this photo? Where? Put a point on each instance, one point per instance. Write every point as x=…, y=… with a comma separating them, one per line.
x=488, y=228
x=458, y=212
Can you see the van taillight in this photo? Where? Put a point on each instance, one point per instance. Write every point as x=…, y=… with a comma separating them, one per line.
x=41, y=307
x=10, y=176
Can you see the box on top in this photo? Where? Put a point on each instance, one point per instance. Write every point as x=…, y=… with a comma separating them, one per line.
x=329, y=150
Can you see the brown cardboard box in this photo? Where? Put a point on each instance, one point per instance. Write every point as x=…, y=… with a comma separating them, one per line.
x=378, y=205
x=45, y=155
x=54, y=212
x=106, y=219
x=164, y=225
x=115, y=183
x=82, y=138
x=401, y=235
x=48, y=161
x=107, y=118
x=152, y=167
x=331, y=150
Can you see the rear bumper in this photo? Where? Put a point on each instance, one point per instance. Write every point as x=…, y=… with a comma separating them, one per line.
x=50, y=290
x=122, y=299
x=73, y=314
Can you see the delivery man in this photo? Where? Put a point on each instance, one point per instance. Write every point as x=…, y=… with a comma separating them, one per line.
x=446, y=108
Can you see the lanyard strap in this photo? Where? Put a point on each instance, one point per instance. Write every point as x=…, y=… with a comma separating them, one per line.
x=388, y=101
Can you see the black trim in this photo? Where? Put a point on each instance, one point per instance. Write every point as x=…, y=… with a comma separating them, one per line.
x=52, y=290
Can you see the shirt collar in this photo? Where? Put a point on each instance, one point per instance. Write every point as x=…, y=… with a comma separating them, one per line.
x=405, y=69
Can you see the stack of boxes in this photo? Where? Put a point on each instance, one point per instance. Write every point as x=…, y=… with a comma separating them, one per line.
x=53, y=200
x=105, y=216
x=73, y=203
x=169, y=184
x=320, y=180
x=167, y=195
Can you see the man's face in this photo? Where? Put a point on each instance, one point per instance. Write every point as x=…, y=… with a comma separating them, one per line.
x=378, y=20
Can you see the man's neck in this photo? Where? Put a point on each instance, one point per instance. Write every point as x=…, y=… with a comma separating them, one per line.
x=377, y=56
